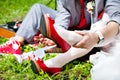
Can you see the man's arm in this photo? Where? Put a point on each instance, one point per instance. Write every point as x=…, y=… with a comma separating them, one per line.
x=63, y=16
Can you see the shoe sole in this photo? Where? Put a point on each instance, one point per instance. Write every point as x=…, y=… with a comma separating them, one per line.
x=43, y=26
x=34, y=67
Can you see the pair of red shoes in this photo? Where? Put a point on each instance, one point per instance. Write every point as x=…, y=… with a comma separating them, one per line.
x=48, y=30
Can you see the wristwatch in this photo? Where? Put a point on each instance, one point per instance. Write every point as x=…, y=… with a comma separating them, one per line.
x=101, y=37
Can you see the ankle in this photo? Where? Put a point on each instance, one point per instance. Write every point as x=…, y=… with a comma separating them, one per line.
x=51, y=63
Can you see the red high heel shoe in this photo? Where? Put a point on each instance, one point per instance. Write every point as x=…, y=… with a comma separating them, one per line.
x=48, y=30
x=38, y=65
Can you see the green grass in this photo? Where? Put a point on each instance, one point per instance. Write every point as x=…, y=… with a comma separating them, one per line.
x=13, y=10
x=10, y=69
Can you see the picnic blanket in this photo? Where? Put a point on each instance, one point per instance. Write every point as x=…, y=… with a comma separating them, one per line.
x=8, y=30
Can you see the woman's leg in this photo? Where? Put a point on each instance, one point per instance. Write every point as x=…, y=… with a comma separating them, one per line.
x=69, y=36
x=61, y=59
x=64, y=38
x=54, y=65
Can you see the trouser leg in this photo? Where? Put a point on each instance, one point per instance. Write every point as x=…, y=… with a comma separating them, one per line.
x=30, y=24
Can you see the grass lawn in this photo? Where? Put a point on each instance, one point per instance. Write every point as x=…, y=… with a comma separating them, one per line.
x=13, y=10
x=10, y=69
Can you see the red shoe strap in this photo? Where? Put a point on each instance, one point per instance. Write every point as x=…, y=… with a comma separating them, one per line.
x=46, y=69
x=54, y=35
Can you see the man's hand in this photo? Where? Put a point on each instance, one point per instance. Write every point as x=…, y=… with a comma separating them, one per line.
x=88, y=41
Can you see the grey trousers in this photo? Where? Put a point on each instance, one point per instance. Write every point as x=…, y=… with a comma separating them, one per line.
x=31, y=22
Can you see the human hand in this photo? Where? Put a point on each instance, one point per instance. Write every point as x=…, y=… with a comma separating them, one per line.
x=47, y=42
x=88, y=41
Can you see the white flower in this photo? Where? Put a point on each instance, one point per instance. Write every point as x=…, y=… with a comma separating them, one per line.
x=90, y=7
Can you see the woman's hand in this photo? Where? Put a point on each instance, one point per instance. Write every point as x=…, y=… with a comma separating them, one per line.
x=88, y=41
x=47, y=42
x=44, y=41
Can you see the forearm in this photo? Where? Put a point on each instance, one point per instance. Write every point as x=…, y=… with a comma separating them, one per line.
x=109, y=32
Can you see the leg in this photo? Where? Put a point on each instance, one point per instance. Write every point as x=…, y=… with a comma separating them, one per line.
x=31, y=23
x=63, y=37
x=61, y=59
x=54, y=65
x=28, y=29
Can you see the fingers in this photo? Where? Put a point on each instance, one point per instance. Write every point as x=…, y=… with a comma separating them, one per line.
x=47, y=42
x=42, y=40
x=82, y=43
x=40, y=36
x=80, y=32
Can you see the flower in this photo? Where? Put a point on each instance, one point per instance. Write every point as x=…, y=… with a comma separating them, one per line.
x=90, y=7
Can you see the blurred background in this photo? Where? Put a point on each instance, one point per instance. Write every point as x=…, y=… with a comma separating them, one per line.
x=15, y=10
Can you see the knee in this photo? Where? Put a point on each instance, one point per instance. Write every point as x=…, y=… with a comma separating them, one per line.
x=36, y=7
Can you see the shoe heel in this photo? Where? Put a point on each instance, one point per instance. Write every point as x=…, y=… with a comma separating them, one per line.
x=48, y=30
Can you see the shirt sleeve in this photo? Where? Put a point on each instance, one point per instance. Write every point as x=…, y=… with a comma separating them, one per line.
x=113, y=10
x=63, y=16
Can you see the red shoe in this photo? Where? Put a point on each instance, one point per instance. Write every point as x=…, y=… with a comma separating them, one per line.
x=10, y=47
x=48, y=30
x=38, y=65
